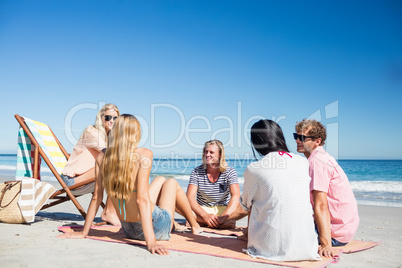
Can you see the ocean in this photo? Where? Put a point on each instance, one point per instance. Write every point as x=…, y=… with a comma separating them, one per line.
x=374, y=182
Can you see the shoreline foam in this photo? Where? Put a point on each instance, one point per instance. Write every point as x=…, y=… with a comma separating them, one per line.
x=367, y=193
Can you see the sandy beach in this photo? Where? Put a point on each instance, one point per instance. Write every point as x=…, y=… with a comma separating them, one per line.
x=36, y=245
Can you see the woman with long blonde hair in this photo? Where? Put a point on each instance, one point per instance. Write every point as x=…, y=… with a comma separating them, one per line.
x=146, y=211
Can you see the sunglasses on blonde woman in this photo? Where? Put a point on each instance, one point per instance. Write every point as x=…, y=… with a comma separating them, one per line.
x=109, y=117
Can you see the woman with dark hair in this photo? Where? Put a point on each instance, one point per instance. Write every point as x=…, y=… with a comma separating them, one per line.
x=276, y=195
x=267, y=137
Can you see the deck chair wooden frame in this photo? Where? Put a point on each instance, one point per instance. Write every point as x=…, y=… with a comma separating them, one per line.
x=58, y=196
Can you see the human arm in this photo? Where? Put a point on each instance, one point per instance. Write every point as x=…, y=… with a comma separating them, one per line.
x=96, y=200
x=244, y=236
x=323, y=221
x=210, y=219
x=246, y=200
x=92, y=139
x=145, y=205
x=250, y=189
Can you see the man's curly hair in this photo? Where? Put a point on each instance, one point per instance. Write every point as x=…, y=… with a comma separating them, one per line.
x=315, y=129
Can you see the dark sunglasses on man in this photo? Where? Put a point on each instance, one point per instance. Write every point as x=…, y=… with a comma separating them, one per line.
x=109, y=117
x=301, y=137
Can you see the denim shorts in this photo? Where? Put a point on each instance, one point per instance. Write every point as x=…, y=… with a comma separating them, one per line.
x=334, y=242
x=68, y=180
x=161, y=221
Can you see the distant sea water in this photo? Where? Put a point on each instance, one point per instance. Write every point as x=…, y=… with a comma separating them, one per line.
x=374, y=182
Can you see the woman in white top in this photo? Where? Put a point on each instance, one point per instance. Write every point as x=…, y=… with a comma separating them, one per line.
x=276, y=195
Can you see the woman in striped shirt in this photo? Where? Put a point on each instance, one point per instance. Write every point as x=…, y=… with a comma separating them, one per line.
x=213, y=190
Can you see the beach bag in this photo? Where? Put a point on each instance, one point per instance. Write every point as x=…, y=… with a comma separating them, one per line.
x=10, y=211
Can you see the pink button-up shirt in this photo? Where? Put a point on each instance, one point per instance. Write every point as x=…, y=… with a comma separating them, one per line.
x=85, y=152
x=327, y=176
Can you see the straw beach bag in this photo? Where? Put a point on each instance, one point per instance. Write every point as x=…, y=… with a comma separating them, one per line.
x=10, y=211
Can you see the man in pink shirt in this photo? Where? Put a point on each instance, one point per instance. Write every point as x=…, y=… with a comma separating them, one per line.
x=335, y=207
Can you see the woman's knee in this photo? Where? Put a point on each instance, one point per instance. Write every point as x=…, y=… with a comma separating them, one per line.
x=160, y=179
x=158, y=182
x=155, y=188
x=171, y=183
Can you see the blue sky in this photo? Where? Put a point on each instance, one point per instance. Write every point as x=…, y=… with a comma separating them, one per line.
x=195, y=70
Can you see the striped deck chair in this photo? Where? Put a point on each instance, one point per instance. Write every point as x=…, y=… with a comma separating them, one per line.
x=35, y=141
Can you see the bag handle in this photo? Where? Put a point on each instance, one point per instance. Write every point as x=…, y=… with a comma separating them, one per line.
x=8, y=186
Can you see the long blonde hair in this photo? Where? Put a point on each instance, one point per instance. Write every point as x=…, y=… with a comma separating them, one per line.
x=222, y=161
x=120, y=160
x=99, y=119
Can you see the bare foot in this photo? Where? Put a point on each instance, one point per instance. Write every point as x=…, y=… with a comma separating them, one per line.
x=197, y=230
x=244, y=236
x=110, y=218
x=178, y=227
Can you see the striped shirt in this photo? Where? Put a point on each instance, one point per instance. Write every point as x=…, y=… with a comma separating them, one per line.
x=213, y=194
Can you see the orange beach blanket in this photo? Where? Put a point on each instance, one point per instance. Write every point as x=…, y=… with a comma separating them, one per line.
x=224, y=246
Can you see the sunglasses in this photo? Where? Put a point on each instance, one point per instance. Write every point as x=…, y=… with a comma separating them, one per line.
x=301, y=137
x=109, y=117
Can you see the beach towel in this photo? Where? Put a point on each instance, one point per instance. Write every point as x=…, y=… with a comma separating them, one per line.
x=351, y=247
x=225, y=247
x=46, y=141
x=25, y=156
x=34, y=195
